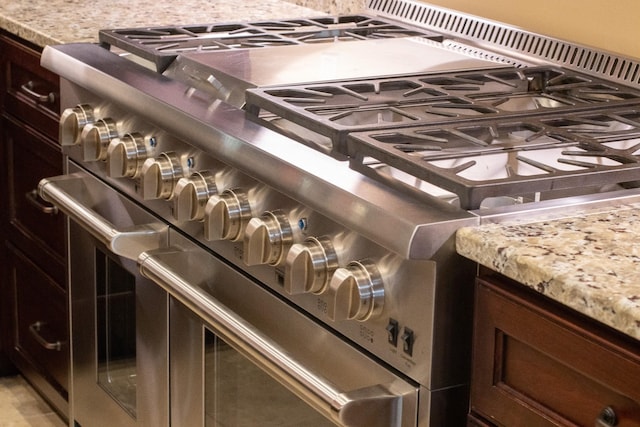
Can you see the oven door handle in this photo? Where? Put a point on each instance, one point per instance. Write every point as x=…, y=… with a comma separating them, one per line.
x=65, y=191
x=372, y=406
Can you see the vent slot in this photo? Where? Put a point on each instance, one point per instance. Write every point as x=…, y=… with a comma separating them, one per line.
x=507, y=40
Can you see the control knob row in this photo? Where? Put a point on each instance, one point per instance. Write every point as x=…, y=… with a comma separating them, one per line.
x=355, y=292
x=99, y=139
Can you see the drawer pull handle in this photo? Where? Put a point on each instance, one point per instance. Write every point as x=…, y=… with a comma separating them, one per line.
x=35, y=331
x=607, y=418
x=32, y=197
x=28, y=88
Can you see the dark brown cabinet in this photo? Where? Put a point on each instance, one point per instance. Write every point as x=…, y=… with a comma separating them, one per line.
x=538, y=363
x=33, y=295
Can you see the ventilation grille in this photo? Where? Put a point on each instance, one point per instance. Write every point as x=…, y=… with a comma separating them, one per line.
x=509, y=39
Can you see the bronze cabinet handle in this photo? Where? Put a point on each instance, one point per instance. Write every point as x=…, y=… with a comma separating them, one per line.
x=607, y=418
x=28, y=88
x=32, y=197
x=35, y=331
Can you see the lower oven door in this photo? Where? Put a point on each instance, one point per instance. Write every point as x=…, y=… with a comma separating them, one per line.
x=119, y=319
x=240, y=356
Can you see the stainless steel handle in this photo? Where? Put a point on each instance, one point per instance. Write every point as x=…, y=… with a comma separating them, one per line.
x=35, y=331
x=32, y=198
x=128, y=243
x=348, y=408
x=38, y=97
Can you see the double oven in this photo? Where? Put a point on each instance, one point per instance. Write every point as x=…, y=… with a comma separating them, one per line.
x=261, y=229
x=166, y=333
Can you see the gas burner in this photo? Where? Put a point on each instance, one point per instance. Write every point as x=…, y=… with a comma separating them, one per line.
x=333, y=110
x=161, y=45
x=620, y=129
x=516, y=157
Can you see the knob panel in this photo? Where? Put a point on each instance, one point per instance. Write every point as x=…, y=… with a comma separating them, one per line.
x=309, y=266
x=357, y=292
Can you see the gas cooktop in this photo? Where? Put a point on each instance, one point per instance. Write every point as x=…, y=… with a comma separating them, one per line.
x=162, y=44
x=457, y=121
x=323, y=114
x=520, y=156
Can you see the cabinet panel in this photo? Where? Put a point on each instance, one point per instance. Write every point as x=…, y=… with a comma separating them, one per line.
x=33, y=302
x=30, y=158
x=30, y=92
x=539, y=364
x=41, y=332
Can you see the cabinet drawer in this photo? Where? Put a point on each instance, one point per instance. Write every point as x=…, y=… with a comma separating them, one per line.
x=32, y=92
x=538, y=364
x=31, y=157
x=41, y=332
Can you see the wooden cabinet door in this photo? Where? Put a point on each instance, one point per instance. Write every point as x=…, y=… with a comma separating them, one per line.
x=40, y=323
x=34, y=224
x=536, y=363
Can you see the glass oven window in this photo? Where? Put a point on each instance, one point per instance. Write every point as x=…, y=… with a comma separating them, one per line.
x=116, y=334
x=239, y=394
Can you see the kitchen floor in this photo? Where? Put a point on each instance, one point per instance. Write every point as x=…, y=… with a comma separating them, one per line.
x=21, y=406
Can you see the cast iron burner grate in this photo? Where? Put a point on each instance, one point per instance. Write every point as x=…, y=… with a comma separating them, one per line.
x=323, y=114
x=162, y=44
x=515, y=157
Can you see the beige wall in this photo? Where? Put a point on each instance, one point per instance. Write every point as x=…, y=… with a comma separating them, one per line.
x=612, y=25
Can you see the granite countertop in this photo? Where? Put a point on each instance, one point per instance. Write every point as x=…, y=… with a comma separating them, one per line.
x=589, y=262
x=68, y=21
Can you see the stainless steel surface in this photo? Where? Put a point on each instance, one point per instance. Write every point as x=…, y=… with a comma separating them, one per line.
x=227, y=74
x=160, y=45
x=177, y=270
x=73, y=196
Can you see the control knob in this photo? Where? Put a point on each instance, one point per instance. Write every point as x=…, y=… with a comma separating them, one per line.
x=159, y=176
x=357, y=292
x=95, y=139
x=191, y=195
x=226, y=215
x=309, y=266
x=72, y=121
x=125, y=156
x=267, y=239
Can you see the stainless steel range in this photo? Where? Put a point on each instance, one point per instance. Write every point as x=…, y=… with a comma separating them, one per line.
x=261, y=215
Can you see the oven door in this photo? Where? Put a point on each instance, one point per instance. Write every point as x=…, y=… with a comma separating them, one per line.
x=241, y=356
x=119, y=319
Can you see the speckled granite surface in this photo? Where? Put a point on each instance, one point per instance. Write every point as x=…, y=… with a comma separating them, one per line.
x=590, y=262
x=65, y=21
